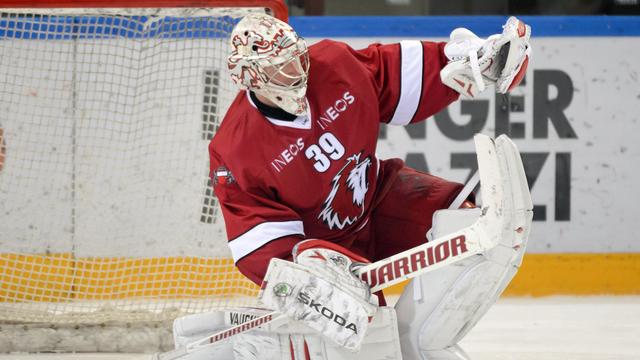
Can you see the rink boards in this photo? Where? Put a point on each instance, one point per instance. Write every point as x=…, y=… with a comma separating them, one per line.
x=574, y=118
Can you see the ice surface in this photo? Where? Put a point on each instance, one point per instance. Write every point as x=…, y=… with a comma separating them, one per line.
x=580, y=328
x=573, y=328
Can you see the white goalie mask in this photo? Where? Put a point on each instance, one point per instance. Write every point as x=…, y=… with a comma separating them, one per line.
x=269, y=58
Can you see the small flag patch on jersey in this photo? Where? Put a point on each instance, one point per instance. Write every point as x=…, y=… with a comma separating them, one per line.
x=222, y=176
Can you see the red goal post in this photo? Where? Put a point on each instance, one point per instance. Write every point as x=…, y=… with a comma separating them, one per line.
x=277, y=7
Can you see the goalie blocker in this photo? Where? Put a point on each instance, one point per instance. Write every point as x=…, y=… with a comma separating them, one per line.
x=477, y=252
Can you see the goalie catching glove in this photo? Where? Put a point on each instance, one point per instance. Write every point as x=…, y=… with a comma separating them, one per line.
x=500, y=59
x=320, y=289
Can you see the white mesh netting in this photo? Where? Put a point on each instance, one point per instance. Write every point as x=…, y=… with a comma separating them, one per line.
x=106, y=210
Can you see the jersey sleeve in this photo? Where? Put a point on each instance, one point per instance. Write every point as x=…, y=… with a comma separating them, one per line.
x=406, y=76
x=258, y=227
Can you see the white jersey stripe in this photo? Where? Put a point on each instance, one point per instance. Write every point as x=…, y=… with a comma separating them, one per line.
x=262, y=234
x=410, y=81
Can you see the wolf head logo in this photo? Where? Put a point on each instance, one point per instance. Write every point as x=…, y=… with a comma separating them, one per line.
x=345, y=203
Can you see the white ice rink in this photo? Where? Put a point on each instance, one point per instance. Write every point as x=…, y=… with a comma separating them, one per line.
x=567, y=328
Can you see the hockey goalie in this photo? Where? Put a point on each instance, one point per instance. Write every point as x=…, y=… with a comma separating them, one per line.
x=316, y=218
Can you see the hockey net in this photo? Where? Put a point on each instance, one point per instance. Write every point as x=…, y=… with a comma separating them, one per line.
x=107, y=214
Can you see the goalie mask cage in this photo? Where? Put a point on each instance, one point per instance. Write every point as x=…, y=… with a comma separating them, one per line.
x=107, y=214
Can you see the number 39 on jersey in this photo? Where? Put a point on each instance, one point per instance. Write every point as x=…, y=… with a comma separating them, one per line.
x=328, y=147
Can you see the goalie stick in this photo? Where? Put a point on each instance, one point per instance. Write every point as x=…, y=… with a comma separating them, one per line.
x=497, y=216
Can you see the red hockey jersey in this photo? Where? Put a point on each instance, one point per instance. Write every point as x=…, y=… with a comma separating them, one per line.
x=279, y=182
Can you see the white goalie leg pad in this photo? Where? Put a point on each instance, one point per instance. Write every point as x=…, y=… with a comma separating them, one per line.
x=438, y=309
x=381, y=341
x=454, y=352
x=292, y=340
x=194, y=327
x=254, y=345
x=258, y=345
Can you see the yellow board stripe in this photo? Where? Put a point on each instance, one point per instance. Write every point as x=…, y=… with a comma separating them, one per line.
x=61, y=277
x=577, y=274
x=571, y=274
